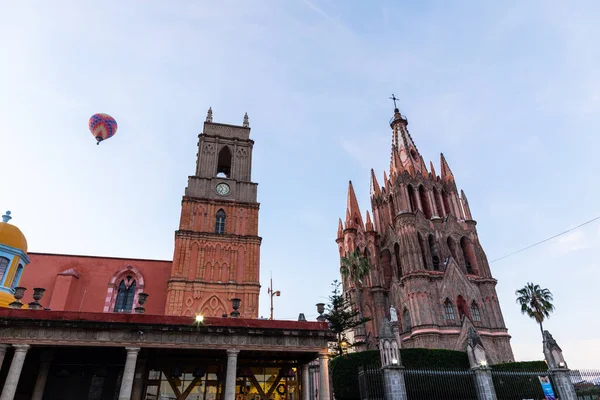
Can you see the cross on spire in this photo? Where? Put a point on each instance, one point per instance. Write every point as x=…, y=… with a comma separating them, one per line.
x=394, y=99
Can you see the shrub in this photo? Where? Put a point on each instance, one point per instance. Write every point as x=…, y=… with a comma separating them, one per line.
x=522, y=366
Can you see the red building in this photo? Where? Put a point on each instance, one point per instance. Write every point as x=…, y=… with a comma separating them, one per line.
x=91, y=335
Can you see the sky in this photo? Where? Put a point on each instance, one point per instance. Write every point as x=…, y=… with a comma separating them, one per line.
x=509, y=92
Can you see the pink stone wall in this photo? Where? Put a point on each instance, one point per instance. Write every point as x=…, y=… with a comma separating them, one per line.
x=90, y=292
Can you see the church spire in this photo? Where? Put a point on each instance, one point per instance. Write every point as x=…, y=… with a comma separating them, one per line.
x=369, y=225
x=432, y=170
x=446, y=172
x=375, y=188
x=209, y=115
x=352, y=209
x=340, y=232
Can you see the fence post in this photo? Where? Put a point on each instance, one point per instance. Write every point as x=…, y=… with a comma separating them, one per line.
x=484, y=385
x=391, y=364
x=393, y=382
x=558, y=368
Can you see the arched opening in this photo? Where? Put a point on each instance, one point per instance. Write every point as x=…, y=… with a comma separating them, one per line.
x=435, y=258
x=446, y=200
x=424, y=202
x=224, y=163
x=412, y=199
x=475, y=312
x=469, y=255
x=125, y=295
x=448, y=310
x=3, y=267
x=406, y=324
x=461, y=304
x=423, y=252
x=438, y=204
x=17, y=277
x=386, y=259
x=452, y=248
x=220, y=222
x=398, y=260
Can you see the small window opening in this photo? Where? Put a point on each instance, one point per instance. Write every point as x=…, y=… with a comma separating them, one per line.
x=220, y=222
x=224, y=163
x=448, y=310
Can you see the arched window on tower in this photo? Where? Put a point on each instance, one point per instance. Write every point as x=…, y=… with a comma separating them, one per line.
x=469, y=255
x=448, y=310
x=386, y=260
x=224, y=163
x=3, y=267
x=438, y=204
x=446, y=200
x=435, y=258
x=406, y=324
x=125, y=295
x=475, y=312
x=220, y=222
x=424, y=202
x=422, y=247
x=461, y=304
x=412, y=199
x=398, y=260
x=17, y=277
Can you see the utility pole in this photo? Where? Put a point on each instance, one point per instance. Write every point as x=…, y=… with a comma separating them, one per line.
x=272, y=293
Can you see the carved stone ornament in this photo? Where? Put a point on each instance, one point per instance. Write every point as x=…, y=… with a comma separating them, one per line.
x=553, y=352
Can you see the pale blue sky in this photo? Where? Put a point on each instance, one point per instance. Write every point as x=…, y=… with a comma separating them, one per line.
x=507, y=90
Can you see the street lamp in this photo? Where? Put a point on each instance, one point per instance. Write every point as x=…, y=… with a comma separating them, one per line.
x=272, y=293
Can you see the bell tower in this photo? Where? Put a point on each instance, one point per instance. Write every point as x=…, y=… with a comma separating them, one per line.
x=217, y=247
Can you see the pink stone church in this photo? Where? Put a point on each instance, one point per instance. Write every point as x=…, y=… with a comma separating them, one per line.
x=425, y=255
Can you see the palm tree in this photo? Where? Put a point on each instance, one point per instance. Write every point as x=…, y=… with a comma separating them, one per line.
x=356, y=267
x=535, y=302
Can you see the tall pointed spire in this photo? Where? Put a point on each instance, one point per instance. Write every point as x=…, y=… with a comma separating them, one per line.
x=446, y=172
x=375, y=189
x=246, y=123
x=369, y=224
x=424, y=168
x=340, y=232
x=386, y=183
x=352, y=208
x=209, y=115
x=465, y=206
x=431, y=167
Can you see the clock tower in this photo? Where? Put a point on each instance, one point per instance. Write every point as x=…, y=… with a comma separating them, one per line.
x=217, y=247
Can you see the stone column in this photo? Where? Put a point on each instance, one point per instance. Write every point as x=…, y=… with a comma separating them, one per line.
x=231, y=374
x=323, y=377
x=484, y=386
x=128, y=373
x=40, y=383
x=138, y=380
x=305, y=384
x=394, y=387
x=563, y=384
x=14, y=373
x=3, y=348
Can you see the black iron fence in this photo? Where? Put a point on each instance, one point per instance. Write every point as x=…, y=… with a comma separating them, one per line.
x=586, y=384
x=520, y=385
x=461, y=384
x=440, y=384
x=370, y=383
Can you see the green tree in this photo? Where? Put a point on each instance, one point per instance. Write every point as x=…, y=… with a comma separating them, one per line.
x=535, y=302
x=342, y=317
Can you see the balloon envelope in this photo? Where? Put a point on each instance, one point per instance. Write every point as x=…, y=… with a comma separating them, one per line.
x=102, y=126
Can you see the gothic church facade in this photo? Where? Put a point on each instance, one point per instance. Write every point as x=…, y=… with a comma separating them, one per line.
x=425, y=255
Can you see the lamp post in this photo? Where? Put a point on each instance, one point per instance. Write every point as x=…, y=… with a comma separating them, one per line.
x=272, y=293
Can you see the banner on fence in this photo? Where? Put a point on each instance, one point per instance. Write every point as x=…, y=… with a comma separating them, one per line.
x=547, y=387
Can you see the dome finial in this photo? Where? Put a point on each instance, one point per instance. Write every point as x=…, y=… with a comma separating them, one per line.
x=6, y=217
x=246, y=123
x=209, y=115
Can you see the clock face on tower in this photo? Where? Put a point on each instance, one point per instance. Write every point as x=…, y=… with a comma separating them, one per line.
x=222, y=189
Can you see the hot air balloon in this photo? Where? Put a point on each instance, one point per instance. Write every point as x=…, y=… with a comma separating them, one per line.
x=102, y=126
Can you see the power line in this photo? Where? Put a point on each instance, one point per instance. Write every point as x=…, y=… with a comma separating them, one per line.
x=545, y=240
